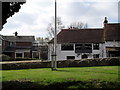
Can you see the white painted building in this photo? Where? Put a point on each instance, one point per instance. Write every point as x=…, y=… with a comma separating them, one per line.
x=72, y=54
x=88, y=43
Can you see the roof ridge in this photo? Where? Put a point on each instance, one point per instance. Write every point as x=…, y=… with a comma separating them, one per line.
x=82, y=29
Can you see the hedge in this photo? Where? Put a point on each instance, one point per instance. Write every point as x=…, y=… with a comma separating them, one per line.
x=63, y=63
x=4, y=57
x=68, y=85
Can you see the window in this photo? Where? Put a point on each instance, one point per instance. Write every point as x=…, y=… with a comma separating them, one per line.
x=96, y=56
x=96, y=46
x=10, y=43
x=67, y=47
x=70, y=57
x=83, y=48
x=78, y=48
x=88, y=46
x=19, y=55
x=35, y=44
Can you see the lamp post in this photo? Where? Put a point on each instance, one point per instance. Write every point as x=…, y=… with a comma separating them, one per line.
x=54, y=54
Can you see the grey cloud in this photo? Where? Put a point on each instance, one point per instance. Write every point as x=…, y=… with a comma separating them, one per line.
x=93, y=14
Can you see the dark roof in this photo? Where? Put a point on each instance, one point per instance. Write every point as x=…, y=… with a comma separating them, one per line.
x=109, y=32
x=19, y=38
x=80, y=36
x=112, y=31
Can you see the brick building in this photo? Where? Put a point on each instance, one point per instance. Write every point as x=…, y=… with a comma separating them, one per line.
x=18, y=46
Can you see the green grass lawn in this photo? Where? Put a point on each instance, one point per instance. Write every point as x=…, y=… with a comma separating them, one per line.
x=45, y=76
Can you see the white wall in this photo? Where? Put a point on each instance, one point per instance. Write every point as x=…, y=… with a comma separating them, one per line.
x=101, y=51
x=112, y=43
x=61, y=55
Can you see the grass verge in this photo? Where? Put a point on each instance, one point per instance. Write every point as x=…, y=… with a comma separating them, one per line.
x=66, y=78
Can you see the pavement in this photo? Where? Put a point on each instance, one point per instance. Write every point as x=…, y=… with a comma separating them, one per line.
x=5, y=62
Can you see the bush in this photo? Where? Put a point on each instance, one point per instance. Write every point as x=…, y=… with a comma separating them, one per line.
x=4, y=57
x=67, y=85
x=114, y=61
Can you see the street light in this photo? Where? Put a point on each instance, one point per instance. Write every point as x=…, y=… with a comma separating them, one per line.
x=54, y=54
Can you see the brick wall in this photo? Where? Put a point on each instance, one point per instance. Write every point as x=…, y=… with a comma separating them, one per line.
x=23, y=44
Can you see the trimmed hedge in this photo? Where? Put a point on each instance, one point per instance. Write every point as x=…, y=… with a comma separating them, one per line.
x=64, y=63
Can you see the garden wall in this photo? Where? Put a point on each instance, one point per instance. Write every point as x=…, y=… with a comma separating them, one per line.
x=64, y=63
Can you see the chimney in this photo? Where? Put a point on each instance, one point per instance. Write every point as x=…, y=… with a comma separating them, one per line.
x=104, y=32
x=105, y=21
x=16, y=34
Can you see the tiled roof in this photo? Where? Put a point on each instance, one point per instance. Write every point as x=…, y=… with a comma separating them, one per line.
x=112, y=31
x=19, y=38
x=80, y=36
x=109, y=32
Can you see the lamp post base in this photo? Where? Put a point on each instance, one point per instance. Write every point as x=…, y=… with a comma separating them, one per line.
x=53, y=69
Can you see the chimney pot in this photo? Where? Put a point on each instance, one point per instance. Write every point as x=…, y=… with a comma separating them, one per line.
x=105, y=21
x=16, y=34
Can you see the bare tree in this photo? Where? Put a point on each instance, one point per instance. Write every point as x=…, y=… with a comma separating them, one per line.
x=42, y=41
x=78, y=25
x=42, y=49
x=51, y=25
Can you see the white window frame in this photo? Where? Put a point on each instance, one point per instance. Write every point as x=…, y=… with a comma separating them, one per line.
x=19, y=52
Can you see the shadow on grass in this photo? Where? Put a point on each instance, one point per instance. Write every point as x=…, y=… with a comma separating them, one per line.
x=69, y=85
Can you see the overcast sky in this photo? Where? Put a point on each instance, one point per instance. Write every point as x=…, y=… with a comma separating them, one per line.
x=35, y=15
